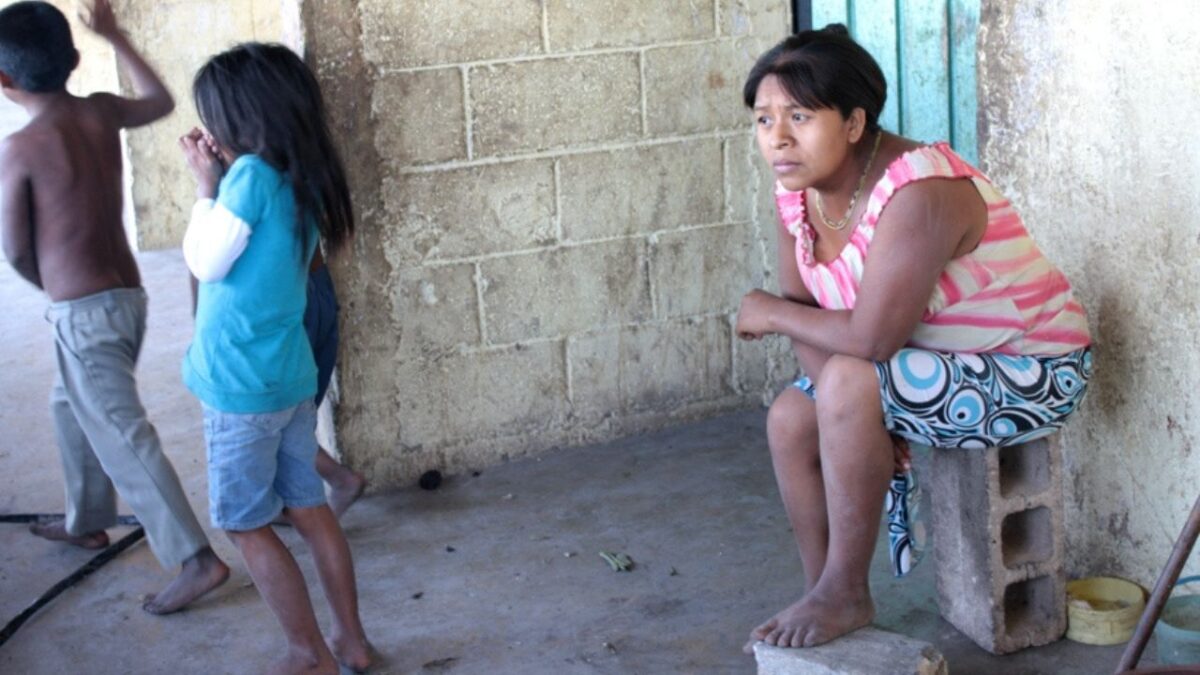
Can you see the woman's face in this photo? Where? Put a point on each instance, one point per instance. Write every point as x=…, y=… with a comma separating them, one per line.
x=805, y=147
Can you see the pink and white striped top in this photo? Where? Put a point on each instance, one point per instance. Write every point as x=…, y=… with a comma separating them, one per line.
x=1004, y=296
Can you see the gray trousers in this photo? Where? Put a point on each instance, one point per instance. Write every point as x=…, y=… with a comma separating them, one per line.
x=103, y=434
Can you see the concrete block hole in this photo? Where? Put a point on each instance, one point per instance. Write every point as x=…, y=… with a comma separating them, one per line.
x=1025, y=469
x=1029, y=606
x=1027, y=537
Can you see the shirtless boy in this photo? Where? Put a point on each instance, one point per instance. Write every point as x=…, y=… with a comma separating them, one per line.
x=60, y=221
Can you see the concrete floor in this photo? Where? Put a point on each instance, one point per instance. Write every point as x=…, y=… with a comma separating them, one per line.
x=493, y=573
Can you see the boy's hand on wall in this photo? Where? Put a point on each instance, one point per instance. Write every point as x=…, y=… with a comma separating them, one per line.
x=98, y=16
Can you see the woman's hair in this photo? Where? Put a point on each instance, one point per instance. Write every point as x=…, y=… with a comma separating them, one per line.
x=823, y=69
x=262, y=99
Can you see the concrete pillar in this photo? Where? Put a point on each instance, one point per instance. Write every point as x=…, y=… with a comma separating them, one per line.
x=997, y=518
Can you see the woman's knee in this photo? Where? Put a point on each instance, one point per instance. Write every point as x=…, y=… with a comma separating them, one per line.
x=849, y=387
x=791, y=419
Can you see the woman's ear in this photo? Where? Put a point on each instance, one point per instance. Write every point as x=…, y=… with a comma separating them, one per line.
x=858, y=124
x=6, y=82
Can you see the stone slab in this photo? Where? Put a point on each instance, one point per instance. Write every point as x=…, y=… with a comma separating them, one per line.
x=867, y=651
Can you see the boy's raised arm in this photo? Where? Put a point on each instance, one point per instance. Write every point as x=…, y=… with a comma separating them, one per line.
x=152, y=100
x=16, y=222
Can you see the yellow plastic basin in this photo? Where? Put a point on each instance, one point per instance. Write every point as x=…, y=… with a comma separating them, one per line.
x=1103, y=610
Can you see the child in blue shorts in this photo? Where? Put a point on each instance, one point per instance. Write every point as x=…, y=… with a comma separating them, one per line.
x=321, y=324
x=269, y=185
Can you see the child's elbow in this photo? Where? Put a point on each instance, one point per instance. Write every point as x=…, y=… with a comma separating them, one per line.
x=207, y=274
x=205, y=271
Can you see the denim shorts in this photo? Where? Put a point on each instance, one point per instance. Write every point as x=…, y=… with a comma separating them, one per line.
x=259, y=464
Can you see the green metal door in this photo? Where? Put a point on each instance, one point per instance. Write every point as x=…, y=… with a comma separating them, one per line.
x=926, y=49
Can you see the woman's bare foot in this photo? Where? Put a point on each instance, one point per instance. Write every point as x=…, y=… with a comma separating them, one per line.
x=200, y=574
x=357, y=655
x=345, y=487
x=815, y=619
x=56, y=530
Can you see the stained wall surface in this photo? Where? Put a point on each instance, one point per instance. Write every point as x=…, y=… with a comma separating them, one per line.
x=1090, y=124
x=177, y=37
x=559, y=212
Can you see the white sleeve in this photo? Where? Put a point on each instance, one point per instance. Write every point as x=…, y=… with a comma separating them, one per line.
x=215, y=238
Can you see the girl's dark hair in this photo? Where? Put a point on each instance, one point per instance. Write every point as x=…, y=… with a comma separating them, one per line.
x=262, y=99
x=823, y=69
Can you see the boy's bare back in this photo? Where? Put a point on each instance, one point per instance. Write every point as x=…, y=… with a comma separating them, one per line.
x=60, y=176
x=66, y=165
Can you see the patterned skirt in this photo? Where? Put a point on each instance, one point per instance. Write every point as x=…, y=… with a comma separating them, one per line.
x=951, y=400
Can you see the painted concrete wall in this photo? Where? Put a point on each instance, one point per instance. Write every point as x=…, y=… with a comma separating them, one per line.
x=1090, y=123
x=177, y=37
x=559, y=212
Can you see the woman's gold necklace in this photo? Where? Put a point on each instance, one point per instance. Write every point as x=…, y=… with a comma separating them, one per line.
x=845, y=220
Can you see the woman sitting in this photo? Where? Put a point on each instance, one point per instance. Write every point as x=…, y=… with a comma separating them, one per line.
x=919, y=309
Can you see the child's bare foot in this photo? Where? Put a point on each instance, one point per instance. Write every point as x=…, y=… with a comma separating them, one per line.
x=356, y=655
x=56, y=530
x=200, y=574
x=299, y=663
x=344, y=489
x=815, y=619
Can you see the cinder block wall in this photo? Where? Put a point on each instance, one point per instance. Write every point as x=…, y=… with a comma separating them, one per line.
x=560, y=208
x=1090, y=126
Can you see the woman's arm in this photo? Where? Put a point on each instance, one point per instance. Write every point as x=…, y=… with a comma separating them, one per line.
x=923, y=227
x=792, y=288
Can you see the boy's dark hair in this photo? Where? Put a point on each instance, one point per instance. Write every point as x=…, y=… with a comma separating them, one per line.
x=36, y=49
x=262, y=99
x=823, y=68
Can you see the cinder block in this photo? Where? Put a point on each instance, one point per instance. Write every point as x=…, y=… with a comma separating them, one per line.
x=549, y=103
x=565, y=290
x=762, y=366
x=427, y=32
x=997, y=518
x=474, y=394
x=468, y=212
x=586, y=24
x=607, y=194
x=703, y=270
x=419, y=116
x=435, y=309
x=656, y=365
x=749, y=184
x=674, y=362
x=594, y=364
x=867, y=651
x=692, y=88
x=767, y=18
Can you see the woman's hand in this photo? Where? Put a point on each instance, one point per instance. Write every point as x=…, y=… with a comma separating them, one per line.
x=204, y=160
x=754, y=316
